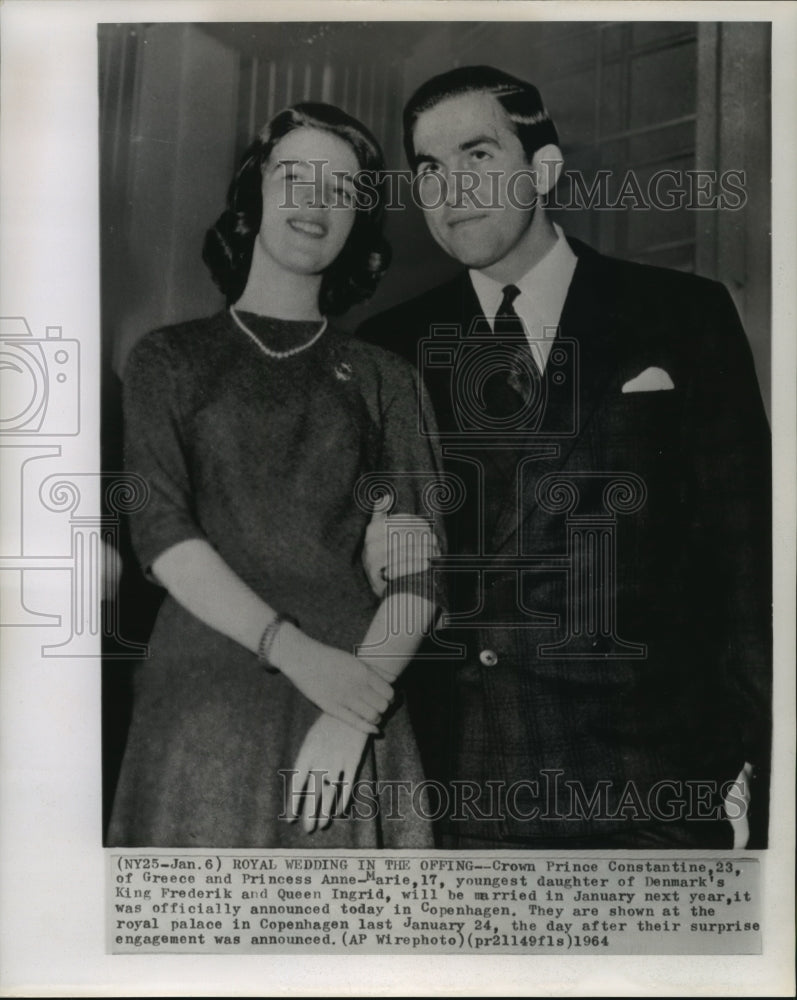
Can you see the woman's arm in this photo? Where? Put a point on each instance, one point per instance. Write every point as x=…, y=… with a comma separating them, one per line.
x=400, y=623
x=171, y=546
x=322, y=780
x=382, y=563
x=353, y=693
x=339, y=684
x=327, y=765
x=413, y=535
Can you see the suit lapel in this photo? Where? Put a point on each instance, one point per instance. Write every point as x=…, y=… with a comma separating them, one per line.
x=455, y=304
x=589, y=336
x=493, y=460
x=498, y=463
x=470, y=307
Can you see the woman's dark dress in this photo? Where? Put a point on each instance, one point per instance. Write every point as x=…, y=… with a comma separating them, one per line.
x=260, y=457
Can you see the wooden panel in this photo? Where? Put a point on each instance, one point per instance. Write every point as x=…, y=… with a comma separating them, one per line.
x=662, y=85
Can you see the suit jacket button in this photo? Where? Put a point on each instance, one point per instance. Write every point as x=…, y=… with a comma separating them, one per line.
x=488, y=657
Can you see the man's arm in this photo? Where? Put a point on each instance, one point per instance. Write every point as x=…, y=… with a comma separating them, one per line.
x=733, y=532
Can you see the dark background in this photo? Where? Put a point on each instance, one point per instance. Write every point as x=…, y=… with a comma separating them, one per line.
x=179, y=102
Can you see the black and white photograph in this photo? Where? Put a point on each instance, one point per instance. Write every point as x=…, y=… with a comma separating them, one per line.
x=562, y=374
x=398, y=518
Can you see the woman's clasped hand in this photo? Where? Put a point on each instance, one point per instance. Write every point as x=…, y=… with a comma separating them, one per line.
x=338, y=683
x=317, y=794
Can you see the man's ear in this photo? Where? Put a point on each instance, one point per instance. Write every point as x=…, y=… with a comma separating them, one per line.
x=547, y=165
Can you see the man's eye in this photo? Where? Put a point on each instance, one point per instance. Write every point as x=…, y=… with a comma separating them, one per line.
x=428, y=168
x=479, y=154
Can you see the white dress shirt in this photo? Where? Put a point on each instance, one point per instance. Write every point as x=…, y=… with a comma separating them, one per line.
x=543, y=291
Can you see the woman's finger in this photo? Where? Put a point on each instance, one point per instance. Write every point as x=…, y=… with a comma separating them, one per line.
x=380, y=686
x=376, y=702
x=329, y=793
x=350, y=707
x=313, y=799
x=408, y=564
x=346, y=788
x=345, y=714
x=296, y=792
x=366, y=711
x=410, y=549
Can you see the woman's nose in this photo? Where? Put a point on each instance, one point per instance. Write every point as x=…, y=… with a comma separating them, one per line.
x=314, y=196
x=324, y=196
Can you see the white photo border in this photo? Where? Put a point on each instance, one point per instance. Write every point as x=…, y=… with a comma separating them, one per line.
x=52, y=862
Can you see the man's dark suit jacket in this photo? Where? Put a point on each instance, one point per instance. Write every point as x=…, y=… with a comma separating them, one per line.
x=625, y=734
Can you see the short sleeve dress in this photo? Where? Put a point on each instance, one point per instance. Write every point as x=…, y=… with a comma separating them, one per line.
x=264, y=458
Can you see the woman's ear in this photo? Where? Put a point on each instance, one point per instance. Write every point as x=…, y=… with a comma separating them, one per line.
x=547, y=165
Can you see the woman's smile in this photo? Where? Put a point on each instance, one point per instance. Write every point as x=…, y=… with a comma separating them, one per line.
x=307, y=215
x=309, y=227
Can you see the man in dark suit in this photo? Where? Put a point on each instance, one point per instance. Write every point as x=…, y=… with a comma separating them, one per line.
x=609, y=554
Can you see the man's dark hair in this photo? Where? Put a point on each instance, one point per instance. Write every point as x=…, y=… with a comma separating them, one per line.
x=354, y=275
x=520, y=100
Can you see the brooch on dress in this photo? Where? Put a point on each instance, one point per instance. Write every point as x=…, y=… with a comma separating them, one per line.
x=343, y=371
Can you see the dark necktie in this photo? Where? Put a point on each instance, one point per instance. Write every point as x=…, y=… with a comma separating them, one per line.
x=506, y=310
x=516, y=387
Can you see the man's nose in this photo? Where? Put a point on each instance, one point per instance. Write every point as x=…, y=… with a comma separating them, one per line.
x=453, y=188
x=461, y=184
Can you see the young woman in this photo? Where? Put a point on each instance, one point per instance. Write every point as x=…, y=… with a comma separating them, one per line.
x=253, y=429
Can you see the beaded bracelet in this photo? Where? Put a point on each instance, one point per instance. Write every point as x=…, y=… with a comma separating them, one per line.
x=268, y=637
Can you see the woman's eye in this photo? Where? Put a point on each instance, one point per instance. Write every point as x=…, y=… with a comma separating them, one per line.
x=298, y=173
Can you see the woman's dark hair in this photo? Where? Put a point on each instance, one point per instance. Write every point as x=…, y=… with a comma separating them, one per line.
x=354, y=275
x=520, y=100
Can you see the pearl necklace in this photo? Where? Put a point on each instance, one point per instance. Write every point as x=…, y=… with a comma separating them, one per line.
x=279, y=355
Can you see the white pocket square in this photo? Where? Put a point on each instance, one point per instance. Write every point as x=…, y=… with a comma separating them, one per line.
x=651, y=380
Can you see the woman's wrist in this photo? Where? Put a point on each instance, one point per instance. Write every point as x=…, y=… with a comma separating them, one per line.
x=387, y=667
x=269, y=638
x=288, y=645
